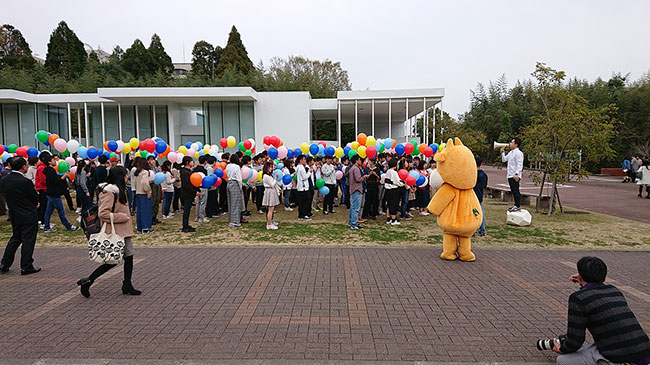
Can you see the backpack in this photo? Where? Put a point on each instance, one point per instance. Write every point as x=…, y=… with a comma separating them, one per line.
x=90, y=222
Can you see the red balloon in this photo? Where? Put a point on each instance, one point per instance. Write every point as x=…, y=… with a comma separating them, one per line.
x=247, y=144
x=218, y=182
x=428, y=151
x=2, y=149
x=21, y=151
x=371, y=152
x=223, y=143
x=323, y=143
x=275, y=141
x=409, y=148
x=403, y=174
x=148, y=145
x=410, y=180
x=266, y=140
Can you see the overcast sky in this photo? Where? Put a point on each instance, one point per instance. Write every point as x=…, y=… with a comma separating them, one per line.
x=382, y=44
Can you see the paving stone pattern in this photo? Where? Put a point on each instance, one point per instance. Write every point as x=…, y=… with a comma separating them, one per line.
x=303, y=303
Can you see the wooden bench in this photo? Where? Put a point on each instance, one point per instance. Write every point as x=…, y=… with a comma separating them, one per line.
x=526, y=198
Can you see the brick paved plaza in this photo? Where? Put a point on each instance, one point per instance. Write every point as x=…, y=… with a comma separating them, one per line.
x=302, y=303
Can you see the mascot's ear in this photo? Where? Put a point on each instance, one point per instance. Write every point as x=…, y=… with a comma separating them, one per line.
x=450, y=142
x=458, y=142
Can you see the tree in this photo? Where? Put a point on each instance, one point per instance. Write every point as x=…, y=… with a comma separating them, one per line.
x=321, y=79
x=14, y=49
x=138, y=61
x=66, y=54
x=234, y=55
x=205, y=59
x=565, y=128
x=116, y=56
x=161, y=58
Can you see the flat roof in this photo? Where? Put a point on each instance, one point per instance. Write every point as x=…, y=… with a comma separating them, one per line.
x=177, y=94
x=392, y=94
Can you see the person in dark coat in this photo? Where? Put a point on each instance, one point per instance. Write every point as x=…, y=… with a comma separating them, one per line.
x=22, y=199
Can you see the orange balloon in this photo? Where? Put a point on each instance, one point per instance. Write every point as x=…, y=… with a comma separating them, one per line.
x=106, y=146
x=165, y=153
x=72, y=175
x=394, y=143
x=53, y=137
x=225, y=176
x=361, y=138
x=421, y=147
x=196, y=179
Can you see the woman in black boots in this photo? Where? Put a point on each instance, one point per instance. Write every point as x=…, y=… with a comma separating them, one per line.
x=123, y=227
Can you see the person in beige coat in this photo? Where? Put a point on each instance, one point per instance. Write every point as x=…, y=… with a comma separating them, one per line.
x=114, y=192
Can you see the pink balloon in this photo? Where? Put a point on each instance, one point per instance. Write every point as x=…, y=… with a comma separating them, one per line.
x=191, y=153
x=73, y=169
x=60, y=145
x=254, y=175
x=339, y=175
x=70, y=160
x=282, y=152
x=171, y=156
x=245, y=173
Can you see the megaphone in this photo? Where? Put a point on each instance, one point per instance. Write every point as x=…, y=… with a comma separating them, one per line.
x=499, y=145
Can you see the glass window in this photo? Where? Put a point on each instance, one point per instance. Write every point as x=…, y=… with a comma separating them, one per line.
x=95, y=126
x=145, y=122
x=323, y=130
x=128, y=122
x=2, y=134
x=246, y=120
x=162, y=127
x=215, y=122
x=111, y=122
x=27, y=124
x=231, y=119
x=10, y=120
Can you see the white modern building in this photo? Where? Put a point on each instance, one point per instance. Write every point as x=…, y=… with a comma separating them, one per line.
x=180, y=115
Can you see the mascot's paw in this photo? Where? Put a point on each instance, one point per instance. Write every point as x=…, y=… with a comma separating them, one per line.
x=448, y=256
x=468, y=257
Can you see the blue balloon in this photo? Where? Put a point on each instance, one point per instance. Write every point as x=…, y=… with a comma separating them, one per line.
x=112, y=145
x=273, y=153
x=161, y=146
x=188, y=145
x=0, y=168
x=82, y=152
x=399, y=149
x=159, y=178
x=201, y=153
x=286, y=179
x=107, y=154
x=279, y=166
x=388, y=143
x=313, y=149
x=199, y=144
x=346, y=149
x=434, y=147
x=420, y=180
x=289, y=153
x=414, y=173
x=324, y=190
x=330, y=151
x=6, y=156
x=208, y=181
x=297, y=152
x=93, y=153
x=321, y=150
x=277, y=174
x=32, y=152
x=218, y=172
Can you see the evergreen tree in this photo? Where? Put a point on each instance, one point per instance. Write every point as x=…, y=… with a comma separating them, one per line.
x=116, y=56
x=138, y=61
x=65, y=53
x=163, y=61
x=234, y=55
x=14, y=49
x=205, y=59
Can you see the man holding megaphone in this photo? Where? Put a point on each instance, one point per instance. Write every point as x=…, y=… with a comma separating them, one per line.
x=515, y=160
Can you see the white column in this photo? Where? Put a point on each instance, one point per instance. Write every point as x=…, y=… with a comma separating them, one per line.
x=69, y=123
x=103, y=123
x=79, y=126
x=119, y=121
x=20, y=124
x=86, y=124
x=373, y=116
x=434, y=124
x=356, y=124
x=390, y=118
x=170, y=127
x=408, y=121
x=338, y=124
x=137, y=122
x=424, y=121
x=153, y=111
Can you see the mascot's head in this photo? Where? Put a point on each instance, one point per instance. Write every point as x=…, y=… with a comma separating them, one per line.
x=456, y=165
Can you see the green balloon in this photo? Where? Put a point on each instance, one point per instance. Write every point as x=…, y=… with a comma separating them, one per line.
x=248, y=152
x=241, y=146
x=42, y=136
x=351, y=153
x=65, y=153
x=295, y=177
x=320, y=183
x=381, y=148
x=63, y=166
x=143, y=154
x=12, y=148
x=113, y=154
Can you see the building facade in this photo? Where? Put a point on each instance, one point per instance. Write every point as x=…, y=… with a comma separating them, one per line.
x=181, y=115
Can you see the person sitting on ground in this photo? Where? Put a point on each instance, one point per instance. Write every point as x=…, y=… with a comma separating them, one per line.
x=602, y=309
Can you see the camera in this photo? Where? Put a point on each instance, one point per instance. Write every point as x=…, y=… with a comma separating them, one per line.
x=548, y=343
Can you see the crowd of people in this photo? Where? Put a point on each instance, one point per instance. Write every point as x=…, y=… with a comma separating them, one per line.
x=637, y=170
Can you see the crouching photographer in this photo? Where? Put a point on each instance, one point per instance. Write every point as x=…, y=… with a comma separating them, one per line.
x=602, y=309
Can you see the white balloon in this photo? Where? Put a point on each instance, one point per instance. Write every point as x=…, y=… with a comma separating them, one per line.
x=120, y=146
x=73, y=146
x=194, y=146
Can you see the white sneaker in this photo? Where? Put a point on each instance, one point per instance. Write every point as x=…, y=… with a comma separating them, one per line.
x=260, y=211
x=79, y=219
x=425, y=213
x=271, y=227
x=275, y=223
x=167, y=216
x=388, y=222
x=288, y=209
x=197, y=220
x=205, y=220
x=78, y=210
x=395, y=223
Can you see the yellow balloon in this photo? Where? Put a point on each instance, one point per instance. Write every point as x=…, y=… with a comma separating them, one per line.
x=371, y=141
x=206, y=150
x=362, y=151
x=354, y=145
x=183, y=150
x=259, y=177
x=231, y=141
x=338, y=152
x=126, y=149
x=134, y=143
x=442, y=147
x=304, y=147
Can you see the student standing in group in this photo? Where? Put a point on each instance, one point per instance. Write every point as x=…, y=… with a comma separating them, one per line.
x=371, y=206
x=155, y=190
x=203, y=197
x=41, y=187
x=143, y=197
x=258, y=186
x=31, y=169
x=176, y=173
x=211, y=205
x=302, y=188
x=481, y=184
x=223, y=189
x=134, y=166
x=356, y=190
x=271, y=194
x=113, y=201
x=404, y=190
x=248, y=186
x=312, y=183
x=188, y=192
x=55, y=186
x=167, y=187
x=345, y=192
x=329, y=176
x=286, y=190
x=81, y=182
x=422, y=197
x=644, y=181
x=235, y=200
x=392, y=183
x=22, y=200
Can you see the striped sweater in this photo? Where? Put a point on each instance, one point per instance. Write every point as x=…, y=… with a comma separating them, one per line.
x=602, y=310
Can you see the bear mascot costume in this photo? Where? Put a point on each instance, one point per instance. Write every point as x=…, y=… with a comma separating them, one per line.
x=455, y=204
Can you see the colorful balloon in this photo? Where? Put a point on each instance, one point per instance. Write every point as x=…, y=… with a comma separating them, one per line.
x=42, y=136
x=134, y=143
x=361, y=138
x=73, y=146
x=196, y=179
x=231, y=141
